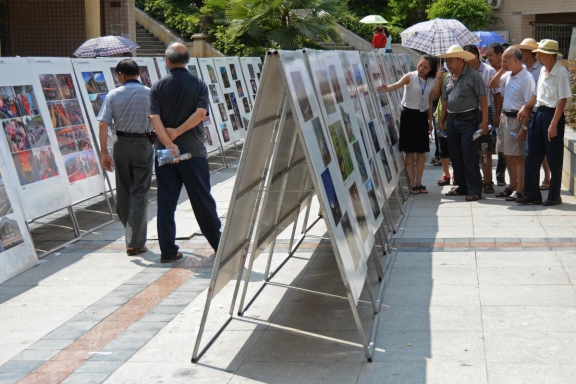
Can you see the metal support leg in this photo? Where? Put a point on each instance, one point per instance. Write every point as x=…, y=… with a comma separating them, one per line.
x=371, y=294
x=74, y=221
x=269, y=261
x=308, y=208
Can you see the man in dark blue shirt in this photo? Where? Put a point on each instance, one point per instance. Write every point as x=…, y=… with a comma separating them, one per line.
x=179, y=103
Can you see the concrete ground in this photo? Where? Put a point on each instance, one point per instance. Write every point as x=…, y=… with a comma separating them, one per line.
x=477, y=292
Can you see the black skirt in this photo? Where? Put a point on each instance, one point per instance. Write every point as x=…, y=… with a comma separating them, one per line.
x=414, y=131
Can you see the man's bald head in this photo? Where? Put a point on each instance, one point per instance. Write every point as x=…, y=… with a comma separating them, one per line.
x=177, y=54
x=512, y=59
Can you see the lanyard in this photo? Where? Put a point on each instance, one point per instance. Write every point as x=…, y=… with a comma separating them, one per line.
x=423, y=88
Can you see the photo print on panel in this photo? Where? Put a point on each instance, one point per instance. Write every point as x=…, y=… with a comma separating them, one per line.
x=321, y=139
x=331, y=195
x=300, y=89
x=341, y=148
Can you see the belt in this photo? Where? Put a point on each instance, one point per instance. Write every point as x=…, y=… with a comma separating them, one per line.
x=468, y=115
x=130, y=134
x=510, y=113
x=543, y=108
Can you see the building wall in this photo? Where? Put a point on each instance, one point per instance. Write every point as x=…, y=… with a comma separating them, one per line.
x=118, y=18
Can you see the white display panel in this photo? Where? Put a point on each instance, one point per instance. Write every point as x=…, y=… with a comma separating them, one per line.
x=328, y=175
x=29, y=142
x=219, y=114
x=251, y=71
x=69, y=121
x=236, y=95
x=148, y=73
x=161, y=66
x=16, y=249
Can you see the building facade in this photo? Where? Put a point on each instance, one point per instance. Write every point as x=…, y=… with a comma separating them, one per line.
x=554, y=19
x=58, y=27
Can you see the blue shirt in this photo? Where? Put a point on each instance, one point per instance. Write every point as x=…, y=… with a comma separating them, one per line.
x=127, y=108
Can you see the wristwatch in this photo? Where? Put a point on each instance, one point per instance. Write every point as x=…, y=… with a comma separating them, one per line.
x=524, y=127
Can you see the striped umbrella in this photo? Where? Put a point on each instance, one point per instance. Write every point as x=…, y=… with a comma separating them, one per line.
x=105, y=46
x=436, y=36
x=488, y=37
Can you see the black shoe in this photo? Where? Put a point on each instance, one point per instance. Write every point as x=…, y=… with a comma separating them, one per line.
x=171, y=259
x=549, y=202
x=529, y=200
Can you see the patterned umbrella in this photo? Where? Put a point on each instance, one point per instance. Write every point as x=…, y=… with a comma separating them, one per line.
x=436, y=36
x=488, y=37
x=105, y=46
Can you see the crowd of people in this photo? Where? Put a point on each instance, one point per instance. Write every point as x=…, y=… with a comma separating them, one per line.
x=512, y=106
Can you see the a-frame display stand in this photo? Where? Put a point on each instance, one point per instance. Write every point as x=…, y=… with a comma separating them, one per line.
x=277, y=177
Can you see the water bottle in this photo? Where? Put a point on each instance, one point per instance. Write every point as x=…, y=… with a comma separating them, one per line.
x=514, y=134
x=493, y=131
x=484, y=153
x=170, y=156
x=477, y=134
x=441, y=133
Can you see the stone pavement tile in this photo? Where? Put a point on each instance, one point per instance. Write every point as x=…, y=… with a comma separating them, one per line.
x=285, y=345
x=487, y=231
x=567, y=231
x=36, y=354
x=560, y=210
x=505, y=221
x=426, y=221
x=168, y=372
x=52, y=343
x=95, y=366
x=11, y=377
x=558, y=221
x=528, y=295
x=441, y=211
x=55, y=296
x=530, y=276
x=517, y=259
x=531, y=347
x=71, y=330
x=430, y=318
x=437, y=232
x=436, y=259
x=21, y=365
x=144, y=278
x=528, y=318
x=424, y=372
x=451, y=275
x=298, y=372
x=503, y=210
x=567, y=258
x=422, y=294
x=95, y=313
x=86, y=378
x=10, y=292
x=89, y=277
x=531, y=373
x=438, y=346
x=115, y=355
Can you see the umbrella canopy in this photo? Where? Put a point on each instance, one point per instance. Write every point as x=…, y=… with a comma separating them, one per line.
x=105, y=46
x=488, y=37
x=436, y=36
x=374, y=19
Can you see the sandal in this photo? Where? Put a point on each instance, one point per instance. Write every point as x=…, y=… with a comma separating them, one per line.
x=473, y=197
x=545, y=186
x=505, y=193
x=453, y=192
x=422, y=189
x=444, y=180
x=501, y=183
x=435, y=160
x=515, y=196
x=415, y=190
x=488, y=188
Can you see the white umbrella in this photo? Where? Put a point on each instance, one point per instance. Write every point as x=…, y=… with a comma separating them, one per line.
x=436, y=36
x=374, y=19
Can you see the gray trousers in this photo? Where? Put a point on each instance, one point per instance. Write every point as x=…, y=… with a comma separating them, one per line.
x=133, y=160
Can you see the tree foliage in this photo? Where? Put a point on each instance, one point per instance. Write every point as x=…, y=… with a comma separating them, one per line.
x=408, y=12
x=474, y=14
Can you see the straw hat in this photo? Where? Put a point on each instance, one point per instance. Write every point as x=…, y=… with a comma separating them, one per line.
x=456, y=51
x=529, y=44
x=549, y=47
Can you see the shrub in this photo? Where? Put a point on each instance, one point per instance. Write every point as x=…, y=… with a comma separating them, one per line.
x=570, y=111
x=177, y=14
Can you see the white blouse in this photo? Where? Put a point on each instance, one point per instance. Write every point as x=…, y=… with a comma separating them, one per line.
x=416, y=90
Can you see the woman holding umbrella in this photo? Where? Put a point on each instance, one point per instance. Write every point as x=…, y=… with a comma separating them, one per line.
x=420, y=88
x=379, y=40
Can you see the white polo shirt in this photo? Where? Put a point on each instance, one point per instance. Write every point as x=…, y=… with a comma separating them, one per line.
x=487, y=72
x=518, y=90
x=553, y=86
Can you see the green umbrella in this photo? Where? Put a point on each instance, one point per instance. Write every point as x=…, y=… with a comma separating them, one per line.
x=374, y=19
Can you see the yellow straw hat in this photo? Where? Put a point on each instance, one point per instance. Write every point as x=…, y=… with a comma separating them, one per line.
x=549, y=47
x=456, y=51
x=528, y=43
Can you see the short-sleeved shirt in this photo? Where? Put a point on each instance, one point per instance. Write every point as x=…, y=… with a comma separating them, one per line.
x=518, y=89
x=462, y=95
x=379, y=40
x=535, y=70
x=487, y=72
x=553, y=86
x=417, y=90
x=175, y=98
x=127, y=108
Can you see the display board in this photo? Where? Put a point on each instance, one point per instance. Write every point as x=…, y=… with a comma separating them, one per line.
x=146, y=65
x=62, y=103
x=161, y=66
x=251, y=73
x=17, y=252
x=29, y=142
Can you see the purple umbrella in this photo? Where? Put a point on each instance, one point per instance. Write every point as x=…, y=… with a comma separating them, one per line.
x=105, y=46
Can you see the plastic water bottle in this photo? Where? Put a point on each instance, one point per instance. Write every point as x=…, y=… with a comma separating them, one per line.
x=477, y=134
x=441, y=133
x=513, y=134
x=484, y=153
x=169, y=156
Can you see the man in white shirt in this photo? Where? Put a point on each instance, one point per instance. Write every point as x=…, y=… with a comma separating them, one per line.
x=519, y=88
x=546, y=131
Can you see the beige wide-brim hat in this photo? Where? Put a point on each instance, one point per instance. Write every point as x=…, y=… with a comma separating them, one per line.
x=456, y=51
x=529, y=44
x=549, y=47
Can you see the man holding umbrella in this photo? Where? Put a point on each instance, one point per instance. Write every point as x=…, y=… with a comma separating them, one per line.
x=463, y=93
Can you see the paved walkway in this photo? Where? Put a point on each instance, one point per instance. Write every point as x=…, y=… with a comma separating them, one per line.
x=478, y=292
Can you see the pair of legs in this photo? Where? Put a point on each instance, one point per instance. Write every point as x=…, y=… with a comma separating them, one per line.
x=546, y=183
x=464, y=156
x=515, y=167
x=415, y=179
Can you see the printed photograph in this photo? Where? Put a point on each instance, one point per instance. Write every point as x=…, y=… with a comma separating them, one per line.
x=368, y=102
x=321, y=140
x=234, y=104
x=372, y=198
x=234, y=122
x=383, y=99
x=66, y=141
x=225, y=133
x=16, y=135
x=207, y=120
x=50, y=87
x=211, y=74
x=233, y=72
x=362, y=129
x=224, y=74
x=391, y=128
x=10, y=235
x=25, y=99
x=360, y=161
x=96, y=102
x=214, y=93
x=82, y=137
x=386, y=166
x=73, y=112
x=5, y=205
x=90, y=163
x=374, y=137
x=26, y=167
x=254, y=87
x=326, y=92
x=89, y=83
x=46, y=162
x=303, y=101
x=351, y=241
x=341, y=148
x=359, y=212
x=117, y=82
x=222, y=110
x=347, y=125
x=375, y=174
x=260, y=67
x=358, y=77
x=245, y=121
x=66, y=85
x=58, y=114
x=208, y=137
x=239, y=88
x=74, y=167
x=9, y=107
x=251, y=71
x=350, y=83
x=331, y=196
x=335, y=83
x=228, y=100
x=246, y=105
x=36, y=129
x=193, y=70
x=144, y=76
